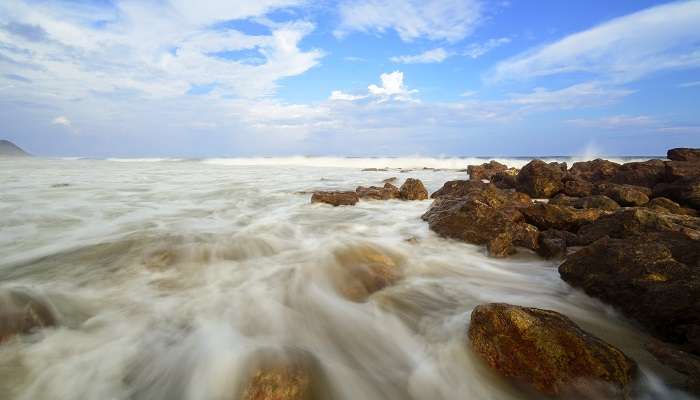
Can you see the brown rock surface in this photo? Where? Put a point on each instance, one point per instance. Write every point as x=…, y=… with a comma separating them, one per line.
x=485, y=171
x=413, y=189
x=22, y=312
x=683, y=154
x=597, y=170
x=663, y=204
x=335, y=198
x=624, y=195
x=551, y=216
x=364, y=269
x=646, y=173
x=685, y=191
x=679, y=360
x=387, y=192
x=549, y=352
x=596, y=201
x=578, y=188
x=541, y=180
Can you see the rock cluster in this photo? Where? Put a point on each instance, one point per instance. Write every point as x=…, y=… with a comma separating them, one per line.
x=630, y=236
x=412, y=189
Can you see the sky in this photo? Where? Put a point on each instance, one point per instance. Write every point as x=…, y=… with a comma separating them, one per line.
x=227, y=78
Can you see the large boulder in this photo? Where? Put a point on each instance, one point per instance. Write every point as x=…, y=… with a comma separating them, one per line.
x=683, y=154
x=489, y=217
x=578, y=188
x=651, y=278
x=507, y=179
x=485, y=171
x=335, y=198
x=597, y=170
x=387, y=192
x=625, y=195
x=685, y=191
x=413, y=189
x=23, y=312
x=460, y=188
x=681, y=169
x=662, y=204
x=597, y=201
x=548, y=351
x=553, y=243
x=541, y=180
x=551, y=216
x=645, y=173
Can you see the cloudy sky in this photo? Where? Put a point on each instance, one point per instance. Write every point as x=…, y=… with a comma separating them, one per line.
x=350, y=77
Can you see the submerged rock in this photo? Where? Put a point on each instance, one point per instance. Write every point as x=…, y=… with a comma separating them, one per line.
x=683, y=154
x=413, y=189
x=22, y=312
x=335, y=198
x=652, y=278
x=541, y=180
x=387, y=192
x=552, y=216
x=485, y=171
x=489, y=217
x=548, y=351
x=284, y=375
x=365, y=269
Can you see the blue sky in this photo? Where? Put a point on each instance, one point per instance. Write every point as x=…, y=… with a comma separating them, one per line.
x=353, y=77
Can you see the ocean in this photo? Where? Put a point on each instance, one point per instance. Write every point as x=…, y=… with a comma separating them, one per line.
x=167, y=275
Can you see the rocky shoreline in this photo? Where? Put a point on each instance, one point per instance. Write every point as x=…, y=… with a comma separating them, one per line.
x=627, y=234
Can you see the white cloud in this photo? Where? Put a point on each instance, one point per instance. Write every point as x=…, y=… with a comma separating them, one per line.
x=392, y=88
x=61, y=121
x=340, y=95
x=587, y=94
x=623, y=49
x=616, y=121
x=430, y=56
x=450, y=20
x=476, y=50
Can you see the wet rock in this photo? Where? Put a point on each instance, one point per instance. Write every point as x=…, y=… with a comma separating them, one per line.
x=335, y=198
x=597, y=170
x=505, y=179
x=683, y=154
x=646, y=173
x=489, y=217
x=685, y=191
x=548, y=351
x=23, y=312
x=413, y=189
x=551, y=216
x=679, y=360
x=625, y=195
x=681, y=169
x=650, y=278
x=60, y=185
x=374, y=169
x=662, y=204
x=460, y=188
x=387, y=192
x=390, y=180
x=596, y=201
x=288, y=375
x=578, y=188
x=541, y=180
x=365, y=269
x=639, y=222
x=485, y=171
x=553, y=243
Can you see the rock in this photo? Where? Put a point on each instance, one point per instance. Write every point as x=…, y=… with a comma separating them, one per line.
x=551, y=216
x=625, y=195
x=639, y=222
x=387, y=192
x=460, y=188
x=596, y=201
x=553, y=243
x=485, y=171
x=548, y=351
x=541, y=180
x=662, y=204
x=649, y=278
x=578, y=188
x=598, y=170
x=283, y=375
x=365, y=269
x=505, y=179
x=677, y=359
x=390, y=180
x=488, y=217
x=374, y=169
x=22, y=312
x=335, y=198
x=681, y=169
x=685, y=191
x=683, y=154
x=646, y=173
x=413, y=189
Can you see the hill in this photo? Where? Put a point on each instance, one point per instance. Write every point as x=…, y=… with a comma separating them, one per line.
x=9, y=149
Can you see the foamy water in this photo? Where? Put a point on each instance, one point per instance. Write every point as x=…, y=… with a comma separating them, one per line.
x=167, y=276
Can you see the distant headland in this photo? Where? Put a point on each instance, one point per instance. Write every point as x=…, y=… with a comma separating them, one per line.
x=9, y=149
